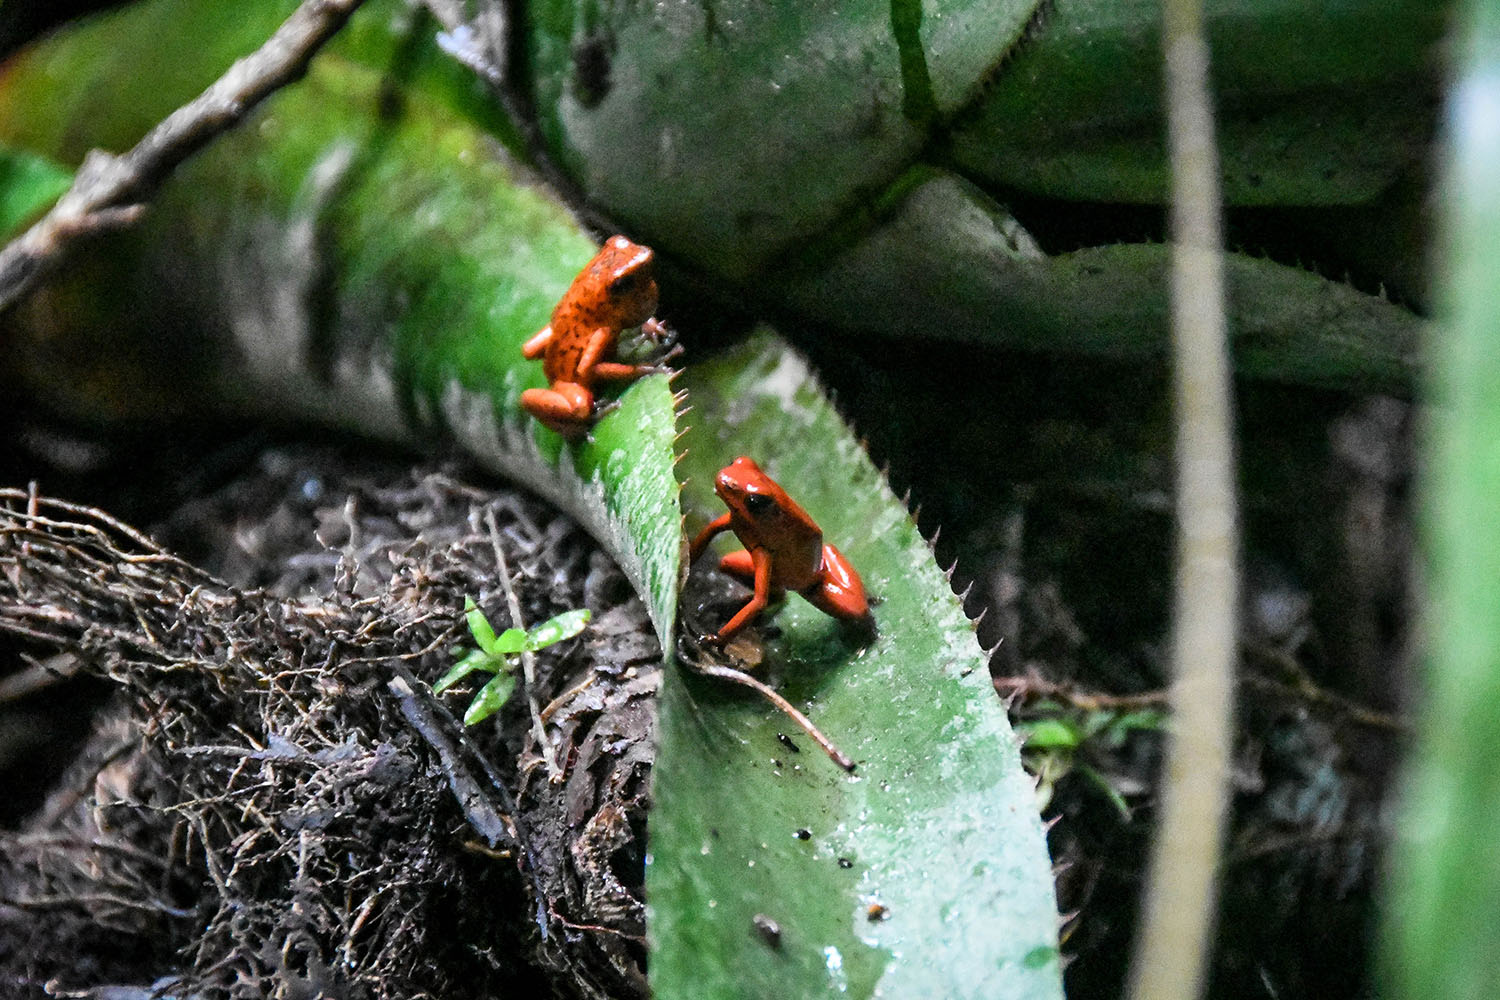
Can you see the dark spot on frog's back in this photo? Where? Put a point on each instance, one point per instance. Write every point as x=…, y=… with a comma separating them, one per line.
x=593, y=58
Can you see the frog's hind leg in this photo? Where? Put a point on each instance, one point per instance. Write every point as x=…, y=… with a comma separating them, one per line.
x=567, y=407
x=840, y=593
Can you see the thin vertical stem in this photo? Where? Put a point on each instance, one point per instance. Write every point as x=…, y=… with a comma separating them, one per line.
x=1178, y=919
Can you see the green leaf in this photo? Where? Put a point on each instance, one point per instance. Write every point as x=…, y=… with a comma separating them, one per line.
x=28, y=185
x=480, y=627
x=1104, y=785
x=476, y=660
x=939, y=823
x=556, y=629
x=779, y=115
x=1317, y=104
x=491, y=698
x=1048, y=734
x=1443, y=899
x=1147, y=719
x=509, y=642
x=947, y=260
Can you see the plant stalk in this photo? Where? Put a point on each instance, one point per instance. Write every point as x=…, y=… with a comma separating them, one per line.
x=1177, y=926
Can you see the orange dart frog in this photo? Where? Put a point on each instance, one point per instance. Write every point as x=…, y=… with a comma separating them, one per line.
x=783, y=551
x=616, y=291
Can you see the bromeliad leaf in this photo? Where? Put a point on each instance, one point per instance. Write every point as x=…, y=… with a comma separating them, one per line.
x=938, y=825
x=28, y=184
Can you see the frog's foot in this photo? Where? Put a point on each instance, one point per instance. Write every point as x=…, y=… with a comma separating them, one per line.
x=567, y=408
x=660, y=364
x=620, y=371
x=658, y=332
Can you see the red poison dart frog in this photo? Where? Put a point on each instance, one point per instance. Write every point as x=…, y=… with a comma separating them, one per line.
x=616, y=291
x=783, y=551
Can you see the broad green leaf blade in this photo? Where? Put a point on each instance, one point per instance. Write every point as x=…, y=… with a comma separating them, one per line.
x=563, y=626
x=28, y=185
x=477, y=660
x=1316, y=103
x=728, y=132
x=947, y=261
x=939, y=824
x=1443, y=902
x=491, y=698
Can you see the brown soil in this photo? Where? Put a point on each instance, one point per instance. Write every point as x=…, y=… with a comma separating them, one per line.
x=269, y=801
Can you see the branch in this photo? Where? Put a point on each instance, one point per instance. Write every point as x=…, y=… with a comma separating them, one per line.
x=110, y=191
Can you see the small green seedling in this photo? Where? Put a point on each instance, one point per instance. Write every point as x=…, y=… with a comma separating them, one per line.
x=499, y=654
x=1065, y=741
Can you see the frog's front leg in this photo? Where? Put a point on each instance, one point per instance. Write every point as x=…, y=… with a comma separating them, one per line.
x=715, y=527
x=618, y=371
x=756, y=566
x=537, y=345
x=567, y=407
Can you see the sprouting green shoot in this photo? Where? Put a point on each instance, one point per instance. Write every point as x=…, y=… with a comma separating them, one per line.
x=1064, y=740
x=499, y=655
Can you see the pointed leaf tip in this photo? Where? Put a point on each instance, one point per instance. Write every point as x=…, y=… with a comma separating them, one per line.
x=556, y=629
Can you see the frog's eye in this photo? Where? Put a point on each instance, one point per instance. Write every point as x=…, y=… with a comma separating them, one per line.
x=625, y=283
x=759, y=503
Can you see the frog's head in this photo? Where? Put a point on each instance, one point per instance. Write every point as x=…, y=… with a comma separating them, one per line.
x=749, y=492
x=624, y=274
